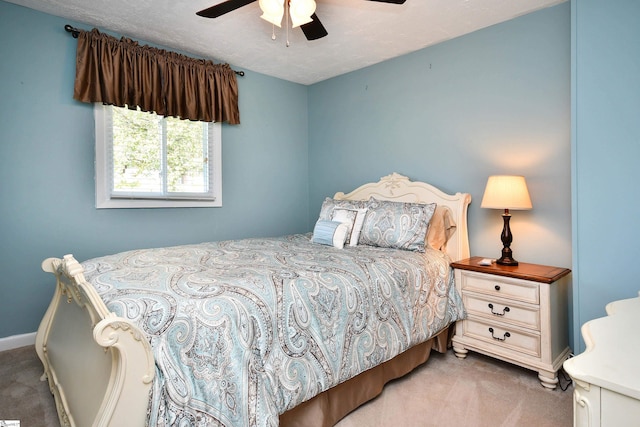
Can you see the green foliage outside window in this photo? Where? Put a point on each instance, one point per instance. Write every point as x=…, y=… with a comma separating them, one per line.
x=143, y=142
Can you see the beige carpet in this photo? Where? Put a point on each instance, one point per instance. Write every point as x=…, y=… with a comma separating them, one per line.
x=446, y=391
x=475, y=392
x=23, y=396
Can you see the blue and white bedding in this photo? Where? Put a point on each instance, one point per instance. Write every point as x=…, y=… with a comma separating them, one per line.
x=245, y=330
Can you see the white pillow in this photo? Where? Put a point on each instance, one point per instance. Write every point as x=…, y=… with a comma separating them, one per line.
x=331, y=233
x=354, y=218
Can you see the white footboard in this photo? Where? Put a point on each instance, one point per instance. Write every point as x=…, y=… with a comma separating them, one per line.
x=99, y=366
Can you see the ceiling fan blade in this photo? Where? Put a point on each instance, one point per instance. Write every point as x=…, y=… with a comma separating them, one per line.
x=390, y=1
x=222, y=8
x=314, y=30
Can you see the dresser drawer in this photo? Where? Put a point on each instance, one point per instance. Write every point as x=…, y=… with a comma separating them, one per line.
x=501, y=335
x=516, y=289
x=501, y=310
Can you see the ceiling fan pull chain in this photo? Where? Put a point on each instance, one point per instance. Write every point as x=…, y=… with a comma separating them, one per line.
x=273, y=32
x=286, y=12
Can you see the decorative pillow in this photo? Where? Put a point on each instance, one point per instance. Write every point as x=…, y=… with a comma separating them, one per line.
x=332, y=233
x=330, y=204
x=397, y=225
x=441, y=228
x=354, y=219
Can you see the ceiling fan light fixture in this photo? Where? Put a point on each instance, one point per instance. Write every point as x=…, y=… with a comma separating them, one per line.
x=272, y=11
x=301, y=11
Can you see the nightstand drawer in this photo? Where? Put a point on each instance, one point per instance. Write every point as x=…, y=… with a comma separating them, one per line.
x=520, y=290
x=504, y=336
x=501, y=310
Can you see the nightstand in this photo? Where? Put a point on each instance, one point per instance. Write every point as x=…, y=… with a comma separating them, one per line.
x=518, y=314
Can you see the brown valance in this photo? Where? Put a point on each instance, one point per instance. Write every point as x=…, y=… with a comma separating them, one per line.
x=121, y=72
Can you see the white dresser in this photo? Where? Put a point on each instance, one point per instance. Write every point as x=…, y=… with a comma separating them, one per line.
x=607, y=374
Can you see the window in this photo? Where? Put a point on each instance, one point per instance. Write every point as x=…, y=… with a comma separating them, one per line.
x=148, y=161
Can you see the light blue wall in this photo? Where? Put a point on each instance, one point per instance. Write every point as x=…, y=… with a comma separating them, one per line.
x=606, y=150
x=496, y=101
x=46, y=169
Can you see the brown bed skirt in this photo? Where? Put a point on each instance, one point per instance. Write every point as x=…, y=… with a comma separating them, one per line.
x=330, y=406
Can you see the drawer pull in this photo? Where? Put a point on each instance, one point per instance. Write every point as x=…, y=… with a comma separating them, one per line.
x=497, y=287
x=504, y=337
x=504, y=310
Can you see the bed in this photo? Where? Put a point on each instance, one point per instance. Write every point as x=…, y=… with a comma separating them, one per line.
x=317, y=323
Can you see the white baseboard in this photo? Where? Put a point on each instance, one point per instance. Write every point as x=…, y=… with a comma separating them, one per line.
x=17, y=341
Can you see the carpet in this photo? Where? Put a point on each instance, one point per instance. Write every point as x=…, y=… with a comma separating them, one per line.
x=445, y=392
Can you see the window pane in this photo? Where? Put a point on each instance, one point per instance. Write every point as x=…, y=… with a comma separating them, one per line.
x=137, y=151
x=147, y=161
x=186, y=156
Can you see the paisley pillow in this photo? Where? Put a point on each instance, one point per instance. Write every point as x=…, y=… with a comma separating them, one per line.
x=398, y=225
x=330, y=204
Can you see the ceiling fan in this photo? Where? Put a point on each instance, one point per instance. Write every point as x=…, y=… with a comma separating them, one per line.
x=312, y=29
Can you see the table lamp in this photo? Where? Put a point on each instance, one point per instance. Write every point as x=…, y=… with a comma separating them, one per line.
x=506, y=192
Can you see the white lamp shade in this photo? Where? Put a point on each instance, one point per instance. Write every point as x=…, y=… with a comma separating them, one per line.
x=506, y=192
x=301, y=11
x=272, y=11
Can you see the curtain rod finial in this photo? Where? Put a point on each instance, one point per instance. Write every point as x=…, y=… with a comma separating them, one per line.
x=74, y=31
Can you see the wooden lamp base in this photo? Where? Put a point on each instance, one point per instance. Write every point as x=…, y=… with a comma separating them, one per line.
x=507, y=238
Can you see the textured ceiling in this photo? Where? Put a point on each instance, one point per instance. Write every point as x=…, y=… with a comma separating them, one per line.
x=361, y=32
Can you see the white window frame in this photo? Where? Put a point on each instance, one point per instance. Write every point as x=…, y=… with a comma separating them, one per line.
x=103, y=178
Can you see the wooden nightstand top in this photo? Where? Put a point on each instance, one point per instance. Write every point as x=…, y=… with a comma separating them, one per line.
x=533, y=272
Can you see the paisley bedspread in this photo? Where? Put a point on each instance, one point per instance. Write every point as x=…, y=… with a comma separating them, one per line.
x=244, y=330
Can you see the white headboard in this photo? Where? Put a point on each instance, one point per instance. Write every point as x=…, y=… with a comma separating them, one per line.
x=399, y=188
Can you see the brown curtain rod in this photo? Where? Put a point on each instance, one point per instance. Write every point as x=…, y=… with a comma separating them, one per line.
x=74, y=32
